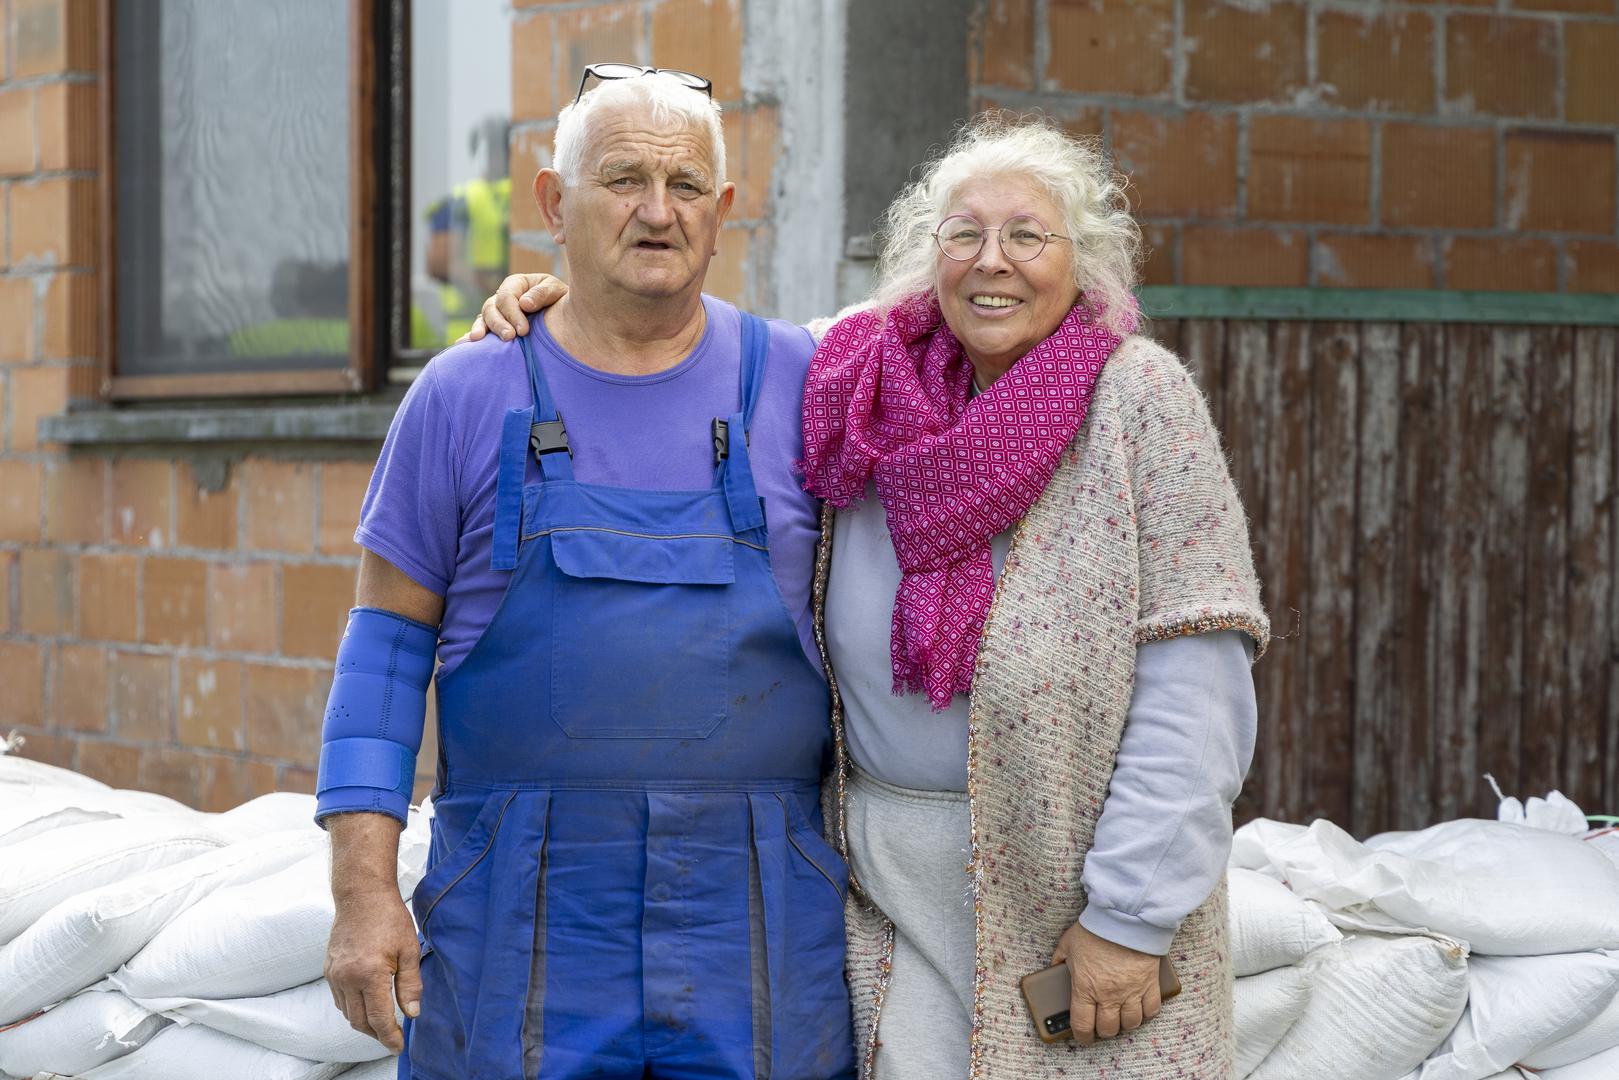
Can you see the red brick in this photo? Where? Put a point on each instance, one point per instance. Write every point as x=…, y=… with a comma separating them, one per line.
x=76, y=500
x=1355, y=261
x=1002, y=52
x=1501, y=65
x=1179, y=166
x=8, y=589
x=80, y=698
x=41, y=745
x=752, y=165
x=19, y=500
x=22, y=673
x=142, y=696
x=112, y=763
x=315, y=603
x=1244, y=53
x=1506, y=264
x=342, y=490
x=107, y=591
x=16, y=132
x=531, y=152
x=1591, y=72
x=242, y=609
x=54, y=36
x=1438, y=177
x=534, y=93
x=527, y=260
x=1587, y=7
x=69, y=130
x=299, y=778
x=1309, y=170
x=1081, y=121
x=285, y=706
x=1111, y=46
x=169, y=771
x=1158, y=242
x=16, y=317
x=204, y=518
x=1381, y=60
x=174, y=601
x=1560, y=181
x=1593, y=266
x=605, y=32
x=209, y=711
x=36, y=392
x=142, y=502
x=704, y=37
x=68, y=335
x=53, y=222
x=1219, y=256
x=727, y=273
x=279, y=500
x=225, y=782
x=47, y=592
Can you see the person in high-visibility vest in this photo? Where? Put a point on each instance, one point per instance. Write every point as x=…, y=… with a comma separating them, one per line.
x=469, y=237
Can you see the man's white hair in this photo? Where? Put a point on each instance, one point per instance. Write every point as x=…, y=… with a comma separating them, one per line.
x=1076, y=174
x=670, y=100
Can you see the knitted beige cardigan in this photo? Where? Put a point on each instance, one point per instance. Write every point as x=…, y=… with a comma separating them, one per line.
x=1139, y=536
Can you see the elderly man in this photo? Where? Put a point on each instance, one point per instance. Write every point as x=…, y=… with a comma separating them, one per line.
x=597, y=532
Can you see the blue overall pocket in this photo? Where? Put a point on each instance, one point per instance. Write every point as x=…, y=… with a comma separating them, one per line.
x=640, y=633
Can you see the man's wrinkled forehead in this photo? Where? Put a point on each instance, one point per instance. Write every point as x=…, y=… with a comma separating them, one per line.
x=630, y=133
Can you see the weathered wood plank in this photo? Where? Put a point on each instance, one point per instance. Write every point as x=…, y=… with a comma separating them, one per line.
x=1459, y=644
x=1420, y=504
x=1378, y=712
x=1329, y=614
x=1590, y=629
x=1506, y=447
x=1166, y=332
x=1203, y=349
x=1545, y=558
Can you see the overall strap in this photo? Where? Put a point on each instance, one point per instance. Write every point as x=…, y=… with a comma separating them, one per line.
x=741, y=495
x=538, y=429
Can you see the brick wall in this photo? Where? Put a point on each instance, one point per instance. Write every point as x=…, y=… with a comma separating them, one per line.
x=551, y=44
x=1461, y=145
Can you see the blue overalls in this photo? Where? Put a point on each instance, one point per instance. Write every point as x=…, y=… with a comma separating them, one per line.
x=627, y=875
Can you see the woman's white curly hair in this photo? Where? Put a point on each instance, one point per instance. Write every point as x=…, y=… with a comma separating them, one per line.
x=1075, y=172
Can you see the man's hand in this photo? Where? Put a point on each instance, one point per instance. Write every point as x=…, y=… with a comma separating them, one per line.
x=1115, y=988
x=503, y=313
x=372, y=956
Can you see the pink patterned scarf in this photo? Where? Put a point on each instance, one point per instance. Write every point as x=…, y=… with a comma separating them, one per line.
x=889, y=399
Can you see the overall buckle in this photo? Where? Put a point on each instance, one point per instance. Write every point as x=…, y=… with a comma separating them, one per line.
x=548, y=437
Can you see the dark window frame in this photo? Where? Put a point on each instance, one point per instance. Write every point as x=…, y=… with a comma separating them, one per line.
x=377, y=147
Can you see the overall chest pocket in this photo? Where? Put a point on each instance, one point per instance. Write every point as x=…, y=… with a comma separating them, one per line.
x=640, y=633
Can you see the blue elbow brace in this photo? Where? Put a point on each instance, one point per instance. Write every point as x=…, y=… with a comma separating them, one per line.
x=375, y=715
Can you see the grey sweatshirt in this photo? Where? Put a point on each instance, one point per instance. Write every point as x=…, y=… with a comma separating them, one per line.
x=1165, y=831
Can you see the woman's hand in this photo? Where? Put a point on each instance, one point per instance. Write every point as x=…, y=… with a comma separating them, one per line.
x=503, y=313
x=1115, y=988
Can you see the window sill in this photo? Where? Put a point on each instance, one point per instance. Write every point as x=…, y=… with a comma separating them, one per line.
x=354, y=422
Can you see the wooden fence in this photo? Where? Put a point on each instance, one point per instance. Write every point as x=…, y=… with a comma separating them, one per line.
x=1434, y=521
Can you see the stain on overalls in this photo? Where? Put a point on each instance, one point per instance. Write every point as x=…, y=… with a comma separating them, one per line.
x=627, y=875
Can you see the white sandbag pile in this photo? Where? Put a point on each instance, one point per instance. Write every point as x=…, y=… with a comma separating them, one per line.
x=1473, y=950
x=142, y=940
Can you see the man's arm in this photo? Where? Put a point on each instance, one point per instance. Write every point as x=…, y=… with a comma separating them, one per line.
x=371, y=958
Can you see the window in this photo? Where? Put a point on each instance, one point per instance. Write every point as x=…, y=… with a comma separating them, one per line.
x=239, y=202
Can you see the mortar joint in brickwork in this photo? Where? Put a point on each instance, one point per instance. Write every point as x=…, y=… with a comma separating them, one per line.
x=1042, y=42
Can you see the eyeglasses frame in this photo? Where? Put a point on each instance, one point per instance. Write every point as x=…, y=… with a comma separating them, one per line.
x=707, y=86
x=1046, y=237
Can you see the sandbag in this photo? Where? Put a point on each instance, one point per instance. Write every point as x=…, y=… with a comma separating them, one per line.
x=79, y=1034
x=384, y=1069
x=1266, y=1008
x=1605, y=841
x=1504, y=889
x=42, y=871
x=1378, y=1006
x=1595, y=1036
x=82, y=939
x=1270, y=926
x=303, y=1022
x=1520, y=1005
x=28, y=809
x=1604, y=1066
x=275, y=812
x=21, y=770
x=199, y=1053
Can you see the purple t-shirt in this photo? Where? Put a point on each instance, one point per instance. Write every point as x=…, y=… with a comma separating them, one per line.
x=430, y=509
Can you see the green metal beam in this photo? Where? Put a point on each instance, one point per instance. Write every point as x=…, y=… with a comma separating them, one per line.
x=1379, y=305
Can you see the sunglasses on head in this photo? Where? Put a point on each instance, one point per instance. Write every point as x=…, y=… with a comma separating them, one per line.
x=608, y=72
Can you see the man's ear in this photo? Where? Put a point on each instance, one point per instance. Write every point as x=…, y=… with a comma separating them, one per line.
x=727, y=197
x=548, y=189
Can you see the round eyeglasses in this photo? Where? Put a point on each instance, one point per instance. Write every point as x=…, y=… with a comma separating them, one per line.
x=609, y=72
x=1022, y=238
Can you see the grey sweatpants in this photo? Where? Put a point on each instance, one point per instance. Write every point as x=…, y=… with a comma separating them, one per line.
x=909, y=849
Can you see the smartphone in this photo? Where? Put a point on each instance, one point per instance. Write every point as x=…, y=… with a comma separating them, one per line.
x=1049, y=991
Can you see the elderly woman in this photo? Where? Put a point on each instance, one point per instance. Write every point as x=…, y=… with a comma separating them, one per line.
x=1038, y=610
